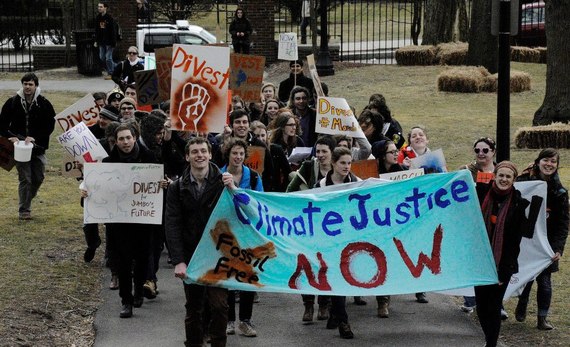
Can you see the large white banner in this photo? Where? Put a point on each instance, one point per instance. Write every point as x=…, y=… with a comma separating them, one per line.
x=123, y=193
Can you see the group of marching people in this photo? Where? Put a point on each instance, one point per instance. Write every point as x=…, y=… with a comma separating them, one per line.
x=197, y=169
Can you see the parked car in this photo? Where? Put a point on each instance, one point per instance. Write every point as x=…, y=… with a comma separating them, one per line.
x=160, y=35
x=531, y=25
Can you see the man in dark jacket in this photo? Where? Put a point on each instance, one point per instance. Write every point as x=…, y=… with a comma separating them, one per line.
x=105, y=37
x=29, y=117
x=296, y=78
x=189, y=204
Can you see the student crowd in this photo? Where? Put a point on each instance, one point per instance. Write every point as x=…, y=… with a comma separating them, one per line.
x=197, y=167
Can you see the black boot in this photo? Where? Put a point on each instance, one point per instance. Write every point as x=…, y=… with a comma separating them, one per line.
x=543, y=324
x=520, y=311
x=308, y=314
x=126, y=311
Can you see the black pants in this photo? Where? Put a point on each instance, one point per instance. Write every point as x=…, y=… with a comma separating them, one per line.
x=197, y=298
x=321, y=299
x=543, y=292
x=245, y=305
x=156, y=247
x=241, y=46
x=489, y=301
x=131, y=243
x=338, y=308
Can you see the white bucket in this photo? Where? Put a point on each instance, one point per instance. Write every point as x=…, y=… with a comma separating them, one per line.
x=23, y=151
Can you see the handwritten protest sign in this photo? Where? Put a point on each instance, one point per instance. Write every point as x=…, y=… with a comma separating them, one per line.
x=80, y=143
x=200, y=80
x=69, y=166
x=385, y=238
x=402, y=175
x=83, y=110
x=246, y=75
x=123, y=193
x=163, y=69
x=6, y=154
x=334, y=116
x=288, y=49
x=255, y=158
x=315, y=75
x=147, y=87
x=431, y=162
x=365, y=168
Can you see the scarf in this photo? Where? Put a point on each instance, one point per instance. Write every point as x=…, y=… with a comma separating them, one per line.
x=500, y=200
x=131, y=157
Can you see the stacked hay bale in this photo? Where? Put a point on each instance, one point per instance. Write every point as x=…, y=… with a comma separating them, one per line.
x=416, y=55
x=465, y=79
x=520, y=82
x=454, y=53
x=542, y=51
x=556, y=135
x=525, y=54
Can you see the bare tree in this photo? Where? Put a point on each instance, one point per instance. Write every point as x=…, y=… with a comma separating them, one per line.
x=483, y=47
x=463, y=21
x=439, y=21
x=416, y=21
x=180, y=9
x=556, y=104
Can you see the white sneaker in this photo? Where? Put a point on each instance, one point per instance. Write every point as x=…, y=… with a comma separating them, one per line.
x=467, y=309
x=504, y=314
x=231, y=328
x=246, y=328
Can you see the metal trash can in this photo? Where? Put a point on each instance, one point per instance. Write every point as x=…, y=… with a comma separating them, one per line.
x=87, y=54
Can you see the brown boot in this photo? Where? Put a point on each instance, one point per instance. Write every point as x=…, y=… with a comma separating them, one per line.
x=383, y=304
x=543, y=324
x=323, y=313
x=308, y=315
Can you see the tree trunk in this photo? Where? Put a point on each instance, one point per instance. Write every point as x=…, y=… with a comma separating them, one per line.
x=463, y=21
x=416, y=21
x=556, y=104
x=439, y=21
x=483, y=47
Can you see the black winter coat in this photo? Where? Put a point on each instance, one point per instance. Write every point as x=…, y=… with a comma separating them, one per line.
x=186, y=217
x=105, y=30
x=41, y=120
x=124, y=71
x=286, y=86
x=240, y=25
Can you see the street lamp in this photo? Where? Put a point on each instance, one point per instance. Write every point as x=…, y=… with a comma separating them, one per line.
x=324, y=61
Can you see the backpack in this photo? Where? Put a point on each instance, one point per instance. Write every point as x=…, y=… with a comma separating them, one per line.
x=118, y=31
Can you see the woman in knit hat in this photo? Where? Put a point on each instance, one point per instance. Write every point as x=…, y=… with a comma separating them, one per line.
x=504, y=215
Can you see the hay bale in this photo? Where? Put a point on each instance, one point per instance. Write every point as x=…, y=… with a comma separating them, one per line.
x=520, y=82
x=525, y=54
x=542, y=51
x=415, y=55
x=453, y=53
x=556, y=135
x=465, y=79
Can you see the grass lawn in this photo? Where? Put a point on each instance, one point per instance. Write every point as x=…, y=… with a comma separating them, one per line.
x=49, y=295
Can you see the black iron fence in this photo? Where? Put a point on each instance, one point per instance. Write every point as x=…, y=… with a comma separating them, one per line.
x=24, y=23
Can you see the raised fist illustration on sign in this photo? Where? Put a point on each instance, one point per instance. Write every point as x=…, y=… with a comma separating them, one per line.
x=195, y=98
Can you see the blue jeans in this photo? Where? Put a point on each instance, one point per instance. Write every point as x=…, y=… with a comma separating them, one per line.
x=543, y=292
x=30, y=176
x=106, y=56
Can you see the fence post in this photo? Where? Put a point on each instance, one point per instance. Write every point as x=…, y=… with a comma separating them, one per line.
x=261, y=14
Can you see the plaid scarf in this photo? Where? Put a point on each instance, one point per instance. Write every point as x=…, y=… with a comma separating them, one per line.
x=498, y=201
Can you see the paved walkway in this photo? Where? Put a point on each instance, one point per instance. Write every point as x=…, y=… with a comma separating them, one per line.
x=277, y=317
x=86, y=85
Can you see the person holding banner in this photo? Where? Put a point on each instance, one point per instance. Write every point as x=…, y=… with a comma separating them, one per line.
x=189, y=204
x=311, y=172
x=341, y=161
x=299, y=105
x=29, y=117
x=235, y=152
x=129, y=241
x=285, y=132
x=545, y=168
x=418, y=141
x=240, y=30
x=296, y=78
x=504, y=215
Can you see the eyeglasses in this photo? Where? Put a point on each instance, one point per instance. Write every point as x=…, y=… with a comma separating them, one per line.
x=127, y=108
x=300, y=98
x=133, y=53
x=394, y=152
x=477, y=150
